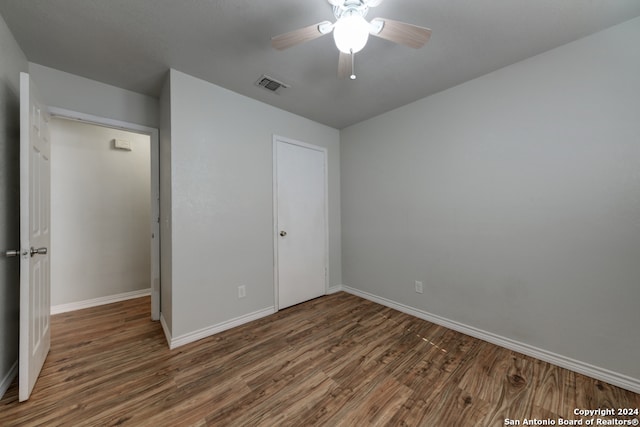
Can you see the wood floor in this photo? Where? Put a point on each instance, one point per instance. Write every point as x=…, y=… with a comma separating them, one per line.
x=335, y=361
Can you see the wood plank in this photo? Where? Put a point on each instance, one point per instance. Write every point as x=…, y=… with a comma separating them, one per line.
x=335, y=360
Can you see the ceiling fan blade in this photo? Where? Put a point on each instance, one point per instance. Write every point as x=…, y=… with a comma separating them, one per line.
x=402, y=33
x=336, y=2
x=344, y=65
x=373, y=3
x=292, y=38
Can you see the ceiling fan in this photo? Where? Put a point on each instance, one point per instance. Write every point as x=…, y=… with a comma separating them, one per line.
x=351, y=32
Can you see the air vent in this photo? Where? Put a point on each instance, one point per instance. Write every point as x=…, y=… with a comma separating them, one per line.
x=270, y=84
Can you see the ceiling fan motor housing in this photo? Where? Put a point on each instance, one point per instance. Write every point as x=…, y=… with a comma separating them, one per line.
x=350, y=7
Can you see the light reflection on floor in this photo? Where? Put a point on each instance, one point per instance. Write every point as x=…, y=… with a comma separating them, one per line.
x=419, y=336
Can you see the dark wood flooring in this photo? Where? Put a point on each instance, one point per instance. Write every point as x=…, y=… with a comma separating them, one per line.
x=335, y=361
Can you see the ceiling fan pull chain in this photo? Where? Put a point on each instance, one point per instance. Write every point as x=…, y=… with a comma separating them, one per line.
x=353, y=66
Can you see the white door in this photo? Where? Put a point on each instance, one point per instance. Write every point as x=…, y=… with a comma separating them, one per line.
x=35, y=333
x=301, y=224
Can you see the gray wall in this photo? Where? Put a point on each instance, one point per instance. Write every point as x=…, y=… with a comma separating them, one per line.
x=222, y=202
x=166, y=257
x=515, y=197
x=12, y=62
x=100, y=199
x=75, y=93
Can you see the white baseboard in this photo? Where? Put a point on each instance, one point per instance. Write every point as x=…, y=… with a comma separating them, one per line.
x=614, y=378
x=165, y=329
x=334, y=289
x=72, y=306
x=214, y=329
x=6, y=381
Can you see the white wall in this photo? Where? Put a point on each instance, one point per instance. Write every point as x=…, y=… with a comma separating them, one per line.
x=12, y=62
x=222, y=203
x=100, y=212
x=515, y=197
x=75, y=93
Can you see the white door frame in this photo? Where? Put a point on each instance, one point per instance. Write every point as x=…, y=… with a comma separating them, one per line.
x=276, y=139
x=154, y=152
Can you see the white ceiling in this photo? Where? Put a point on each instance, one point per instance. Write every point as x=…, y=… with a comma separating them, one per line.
x=132, y=43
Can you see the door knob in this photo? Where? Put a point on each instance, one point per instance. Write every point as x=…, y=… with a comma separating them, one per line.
x=39, y=251
x=283, y=233
x=13, y=252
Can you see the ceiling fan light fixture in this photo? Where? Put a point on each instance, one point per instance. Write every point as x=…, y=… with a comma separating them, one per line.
x=351, y=33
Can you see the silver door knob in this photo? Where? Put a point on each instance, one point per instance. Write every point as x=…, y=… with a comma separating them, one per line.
x=13, y=252
x=39, y=251
x=283, y=233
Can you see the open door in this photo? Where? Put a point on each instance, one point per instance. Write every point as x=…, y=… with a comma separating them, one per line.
x=35, y=168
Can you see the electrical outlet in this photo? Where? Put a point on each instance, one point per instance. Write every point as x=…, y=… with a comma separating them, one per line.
x=242, y=291
x=419, y=286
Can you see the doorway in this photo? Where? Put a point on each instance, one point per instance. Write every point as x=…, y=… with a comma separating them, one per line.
x=300, y=221
x=105, y=210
